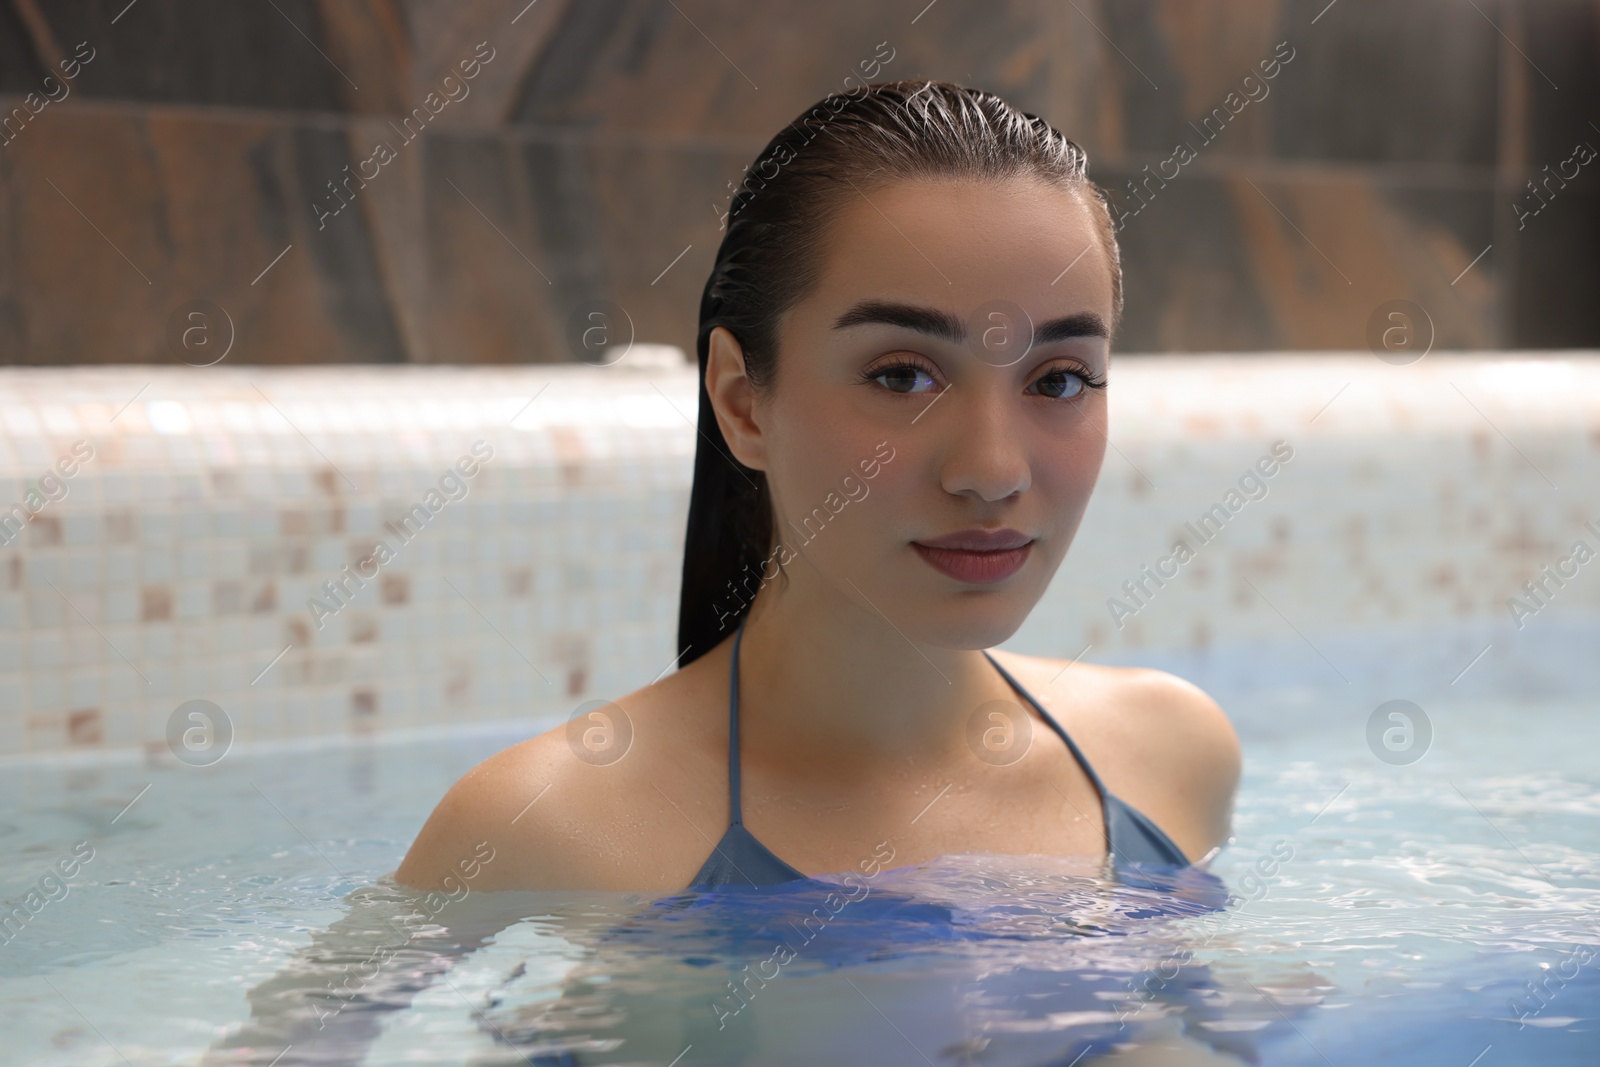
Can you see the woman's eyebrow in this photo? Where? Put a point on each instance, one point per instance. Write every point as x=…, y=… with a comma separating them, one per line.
x=947, y=327
x=930, y=321
x=1083, y=324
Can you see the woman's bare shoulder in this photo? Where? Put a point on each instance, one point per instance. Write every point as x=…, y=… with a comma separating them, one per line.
x=1158, y=741
x=492, y=807
x=601, y=802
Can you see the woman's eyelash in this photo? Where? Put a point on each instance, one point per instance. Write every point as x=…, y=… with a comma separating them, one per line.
x=1090, y=380
x=1093, y=381
x=874, y=373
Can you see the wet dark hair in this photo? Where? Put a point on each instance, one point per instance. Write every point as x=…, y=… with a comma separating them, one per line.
x=770, y=258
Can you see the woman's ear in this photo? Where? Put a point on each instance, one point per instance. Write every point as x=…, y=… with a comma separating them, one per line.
x=733, y=398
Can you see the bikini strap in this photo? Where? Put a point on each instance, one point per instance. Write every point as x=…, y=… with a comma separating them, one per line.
x=735, y=815
x=1072, y=746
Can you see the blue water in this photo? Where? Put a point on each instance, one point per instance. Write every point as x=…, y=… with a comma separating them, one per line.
x=1441, y=911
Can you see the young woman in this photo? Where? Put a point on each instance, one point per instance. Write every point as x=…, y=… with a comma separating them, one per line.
x=904, y=348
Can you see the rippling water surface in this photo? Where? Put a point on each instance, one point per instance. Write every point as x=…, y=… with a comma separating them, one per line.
x=1443, y=911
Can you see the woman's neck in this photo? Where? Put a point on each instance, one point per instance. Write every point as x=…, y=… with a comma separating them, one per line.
x=827, y=680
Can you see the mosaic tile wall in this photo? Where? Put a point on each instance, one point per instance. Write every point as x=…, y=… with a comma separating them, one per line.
x=179, y=521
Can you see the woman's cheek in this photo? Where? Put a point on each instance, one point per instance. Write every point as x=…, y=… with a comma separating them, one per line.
x=1068, y=466
x=847, y=501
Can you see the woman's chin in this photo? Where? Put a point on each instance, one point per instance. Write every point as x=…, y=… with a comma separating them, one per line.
x=965, y=621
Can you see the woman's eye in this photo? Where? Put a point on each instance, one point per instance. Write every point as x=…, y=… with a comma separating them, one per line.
x=1060, y=385
x=904, y=378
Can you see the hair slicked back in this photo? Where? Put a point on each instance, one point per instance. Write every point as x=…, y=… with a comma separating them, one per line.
x=771, y=257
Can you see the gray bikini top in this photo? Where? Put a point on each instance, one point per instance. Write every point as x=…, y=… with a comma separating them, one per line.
x=741, y=859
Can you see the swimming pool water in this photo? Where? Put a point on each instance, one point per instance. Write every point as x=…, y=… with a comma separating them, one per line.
x=1442, y=911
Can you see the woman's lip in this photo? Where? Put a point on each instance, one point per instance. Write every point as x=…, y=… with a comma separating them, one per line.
x=976, y=540
x=976, y=568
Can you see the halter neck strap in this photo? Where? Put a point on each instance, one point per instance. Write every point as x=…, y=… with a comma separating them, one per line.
x=1072, y=746
x=736, y=813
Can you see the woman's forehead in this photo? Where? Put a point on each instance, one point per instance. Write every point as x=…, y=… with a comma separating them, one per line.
x=956, y=245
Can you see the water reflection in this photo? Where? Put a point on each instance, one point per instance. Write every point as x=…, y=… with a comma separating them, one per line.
x=978, y=958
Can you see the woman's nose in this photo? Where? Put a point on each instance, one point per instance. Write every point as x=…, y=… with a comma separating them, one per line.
x=985, y=453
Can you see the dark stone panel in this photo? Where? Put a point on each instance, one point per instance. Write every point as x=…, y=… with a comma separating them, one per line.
x=1173, y=67
x=1375, y=81
x=626, y=126
x=1433, y=235
x=743, y=71
x=14, y=346
x=1465, y=210
x=270, y=200
x=21, y=69
x=1552, y=227
x=349, y=279
x=1008, y=49
x=1186, y=271
x=1554, y=294
x=201, y=52
x=83, y=246
x=596, y=223
x=182, y=207
x=491, y=280
x=560, y=190
x=645, y=225
x=1250, y=260
x=1561, y=39
x=556, y=87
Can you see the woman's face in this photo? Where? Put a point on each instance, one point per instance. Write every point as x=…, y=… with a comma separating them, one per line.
x=911, y=407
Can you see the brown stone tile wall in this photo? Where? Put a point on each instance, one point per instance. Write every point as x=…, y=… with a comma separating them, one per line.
x=202, y=141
